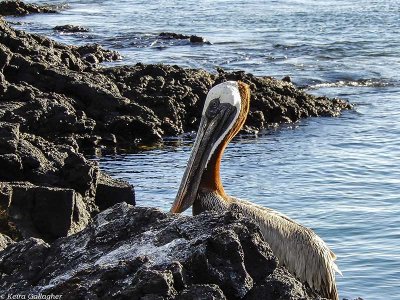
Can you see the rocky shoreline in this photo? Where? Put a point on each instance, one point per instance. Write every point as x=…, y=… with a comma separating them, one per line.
x=56, y=103
x=19, y=8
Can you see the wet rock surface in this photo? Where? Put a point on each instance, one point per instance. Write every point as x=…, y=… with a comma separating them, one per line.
x=178, y=36
x=71, y=28
x=131, y=253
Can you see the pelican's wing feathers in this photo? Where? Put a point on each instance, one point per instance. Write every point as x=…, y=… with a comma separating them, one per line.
x=297, y=247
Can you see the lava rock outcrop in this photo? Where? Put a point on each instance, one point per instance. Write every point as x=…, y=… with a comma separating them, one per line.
x=143, y=253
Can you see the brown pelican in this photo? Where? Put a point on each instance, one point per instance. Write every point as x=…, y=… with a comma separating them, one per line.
x=297, y=247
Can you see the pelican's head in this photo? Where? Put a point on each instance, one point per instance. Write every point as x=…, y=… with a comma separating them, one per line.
x=225, y=111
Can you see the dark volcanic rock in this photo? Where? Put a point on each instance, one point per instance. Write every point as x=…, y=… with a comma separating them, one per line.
x=172, y=35
x=59, y=92
x=27, y=257
x=177, y=36
x=198, y=39
x=32, y=158
x=280, y=285
x=17, y=8
x=172, y=96
x=5, y=195
x=58, y=187
x=143, y=253
x=44, y=121
x=11, y=167
x=71, y=28
x=277, y=101
x=111, y=191
x=201, y=292
x=9, y=137
x=46, y=212
x=98, y=52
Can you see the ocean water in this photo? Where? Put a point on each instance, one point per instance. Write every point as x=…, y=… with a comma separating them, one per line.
x=339, y=176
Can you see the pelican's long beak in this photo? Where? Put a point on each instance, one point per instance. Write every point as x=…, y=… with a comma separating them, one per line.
x=212, y=130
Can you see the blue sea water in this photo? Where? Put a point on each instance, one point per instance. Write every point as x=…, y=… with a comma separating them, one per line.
x=339, y=176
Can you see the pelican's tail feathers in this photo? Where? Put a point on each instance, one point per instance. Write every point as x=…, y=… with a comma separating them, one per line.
x=336, y=269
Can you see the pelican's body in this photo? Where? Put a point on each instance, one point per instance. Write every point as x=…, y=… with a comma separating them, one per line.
x=298, y=248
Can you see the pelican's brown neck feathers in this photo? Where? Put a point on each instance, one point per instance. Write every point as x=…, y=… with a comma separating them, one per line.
x=211, y=179
x=224, y=113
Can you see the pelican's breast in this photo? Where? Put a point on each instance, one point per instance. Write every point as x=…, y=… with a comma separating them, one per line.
x=207, y=200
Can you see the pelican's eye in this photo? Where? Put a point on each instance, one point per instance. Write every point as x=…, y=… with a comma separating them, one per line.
x=213, y=108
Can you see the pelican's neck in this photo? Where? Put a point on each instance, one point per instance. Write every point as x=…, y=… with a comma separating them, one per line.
x=211, y=178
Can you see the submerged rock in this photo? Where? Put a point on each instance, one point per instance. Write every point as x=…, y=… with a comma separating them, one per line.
x=198, y=39
x=71, y=28
x=177, y=36
x=172, y=35
x=130, y=253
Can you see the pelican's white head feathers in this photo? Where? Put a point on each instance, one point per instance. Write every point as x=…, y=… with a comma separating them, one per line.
x=226, y=92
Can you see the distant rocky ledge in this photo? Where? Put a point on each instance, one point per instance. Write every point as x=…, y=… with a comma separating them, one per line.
x=56, y=102
x=19, y=8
